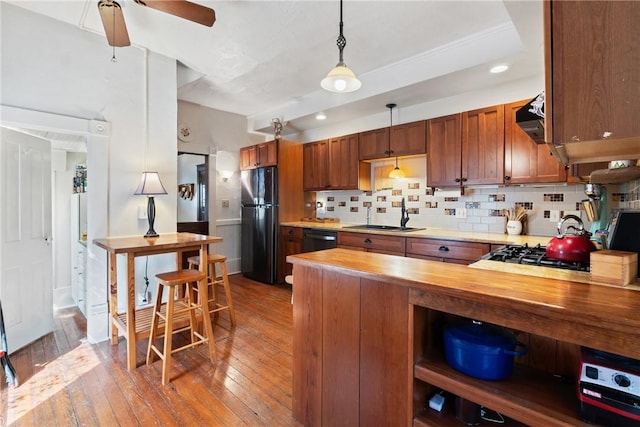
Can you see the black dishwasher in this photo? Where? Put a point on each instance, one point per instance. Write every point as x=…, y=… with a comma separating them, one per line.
x=317, y=240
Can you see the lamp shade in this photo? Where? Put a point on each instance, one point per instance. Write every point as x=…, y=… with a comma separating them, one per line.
x=150, y=185
x=341, y=79
x=396, y=173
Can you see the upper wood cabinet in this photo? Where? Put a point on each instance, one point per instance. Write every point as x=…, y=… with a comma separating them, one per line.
x=374, y=144
x=524, y=160
x=259, y=155
x=467, y=148
x=334, y=165
x=315, y=160
x=444, y=155
x=406, y=140
x=592, y=90
x=483, y=146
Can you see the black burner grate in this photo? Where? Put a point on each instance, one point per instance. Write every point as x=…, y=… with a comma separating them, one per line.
x=532, y=255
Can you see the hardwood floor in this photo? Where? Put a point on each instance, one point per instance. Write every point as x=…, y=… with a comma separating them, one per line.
x=64, y=381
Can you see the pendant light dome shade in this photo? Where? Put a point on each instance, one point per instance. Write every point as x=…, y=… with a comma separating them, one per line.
x=341, y=79
x=396, y=173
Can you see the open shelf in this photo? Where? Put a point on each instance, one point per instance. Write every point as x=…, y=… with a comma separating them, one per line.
x=447, y=418
x=529, y=396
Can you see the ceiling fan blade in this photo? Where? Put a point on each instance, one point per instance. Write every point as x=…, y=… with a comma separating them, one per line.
x=113, y=22
x=183, y=9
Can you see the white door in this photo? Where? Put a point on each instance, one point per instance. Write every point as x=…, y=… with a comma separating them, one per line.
x=26, y=272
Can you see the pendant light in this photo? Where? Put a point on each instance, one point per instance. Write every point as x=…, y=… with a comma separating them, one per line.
x=341, y=79
x=396, y=172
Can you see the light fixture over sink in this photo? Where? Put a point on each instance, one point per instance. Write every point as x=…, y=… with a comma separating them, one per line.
x=341, y=79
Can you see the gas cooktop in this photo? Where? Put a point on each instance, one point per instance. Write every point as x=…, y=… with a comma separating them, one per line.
x=535, y=255
x=533, y=261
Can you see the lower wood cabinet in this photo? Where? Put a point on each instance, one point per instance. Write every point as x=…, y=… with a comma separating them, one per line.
x=379, y=243
x=290, y=243
x=446, y=250
x=351, y=359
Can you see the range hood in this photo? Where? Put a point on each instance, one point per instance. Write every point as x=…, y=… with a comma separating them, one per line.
x=530, y=118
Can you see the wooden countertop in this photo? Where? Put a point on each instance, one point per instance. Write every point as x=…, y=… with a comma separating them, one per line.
x=599, y=316
x=433, y=233
x=162, y=244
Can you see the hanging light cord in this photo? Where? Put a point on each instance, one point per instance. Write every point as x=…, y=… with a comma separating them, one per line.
x=341, y=42
x=113, y=57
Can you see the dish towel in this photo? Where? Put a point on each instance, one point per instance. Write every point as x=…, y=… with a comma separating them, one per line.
x=9, y=371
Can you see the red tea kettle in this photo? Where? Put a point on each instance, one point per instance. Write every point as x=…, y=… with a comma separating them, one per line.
x=575, y=247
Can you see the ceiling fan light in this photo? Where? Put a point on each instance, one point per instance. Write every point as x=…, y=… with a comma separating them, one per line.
x=341, y=80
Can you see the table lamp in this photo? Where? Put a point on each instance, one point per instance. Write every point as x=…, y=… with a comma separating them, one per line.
x=150, y=186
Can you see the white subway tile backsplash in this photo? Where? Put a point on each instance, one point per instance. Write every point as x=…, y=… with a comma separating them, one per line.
x=483, y=205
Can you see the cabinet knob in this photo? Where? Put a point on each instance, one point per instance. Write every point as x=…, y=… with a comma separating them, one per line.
x=464, y=179
x=367, y=240
x=507, y=178
x=443, y=249
x=457, y=179
x=290, y=232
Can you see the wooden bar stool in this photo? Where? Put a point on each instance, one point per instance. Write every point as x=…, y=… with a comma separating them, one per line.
x=178, y=314
x=213, y=280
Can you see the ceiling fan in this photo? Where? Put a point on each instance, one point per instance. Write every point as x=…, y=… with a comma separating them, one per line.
x=116, y=30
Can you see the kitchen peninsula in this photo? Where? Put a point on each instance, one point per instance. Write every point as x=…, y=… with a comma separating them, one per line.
x=367, y=344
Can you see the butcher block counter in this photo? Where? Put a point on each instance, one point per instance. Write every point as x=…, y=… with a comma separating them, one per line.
x=368, y=349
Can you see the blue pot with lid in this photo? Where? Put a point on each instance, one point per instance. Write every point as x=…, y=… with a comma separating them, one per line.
x=481, y=350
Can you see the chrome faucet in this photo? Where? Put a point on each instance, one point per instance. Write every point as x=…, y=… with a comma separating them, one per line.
x=404, y=216
x=368, y=215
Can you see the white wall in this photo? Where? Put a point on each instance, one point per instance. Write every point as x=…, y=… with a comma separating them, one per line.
x=55, y=67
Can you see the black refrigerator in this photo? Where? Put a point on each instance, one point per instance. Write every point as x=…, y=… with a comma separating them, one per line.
x=259, y=202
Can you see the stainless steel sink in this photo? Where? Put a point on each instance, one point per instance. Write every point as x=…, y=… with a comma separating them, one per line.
x=382, y=227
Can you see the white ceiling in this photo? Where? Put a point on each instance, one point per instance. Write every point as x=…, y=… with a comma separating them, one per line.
x=265, y=59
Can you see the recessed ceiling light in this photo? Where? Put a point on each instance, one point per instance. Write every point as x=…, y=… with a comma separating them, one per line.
x=499, y=69
x=321, y=116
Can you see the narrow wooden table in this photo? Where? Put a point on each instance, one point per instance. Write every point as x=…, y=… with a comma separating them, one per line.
x=133, y=247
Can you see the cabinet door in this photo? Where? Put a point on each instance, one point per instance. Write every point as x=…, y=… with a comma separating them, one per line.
x=290, y=244
x=315, y=165
x=384, y=355
x=408, y=139
x=267, y=154
x=524, y=160
x=248, y=158
x=483, y=146
x=343, y=163
x=443, y=150
x=374, y=144
x=595, y=58
x=340, y=349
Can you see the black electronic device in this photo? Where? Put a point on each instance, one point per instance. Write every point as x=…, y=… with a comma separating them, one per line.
x=624, y=231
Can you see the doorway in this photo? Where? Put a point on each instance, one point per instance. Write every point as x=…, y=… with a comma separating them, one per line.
x=193, y=196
